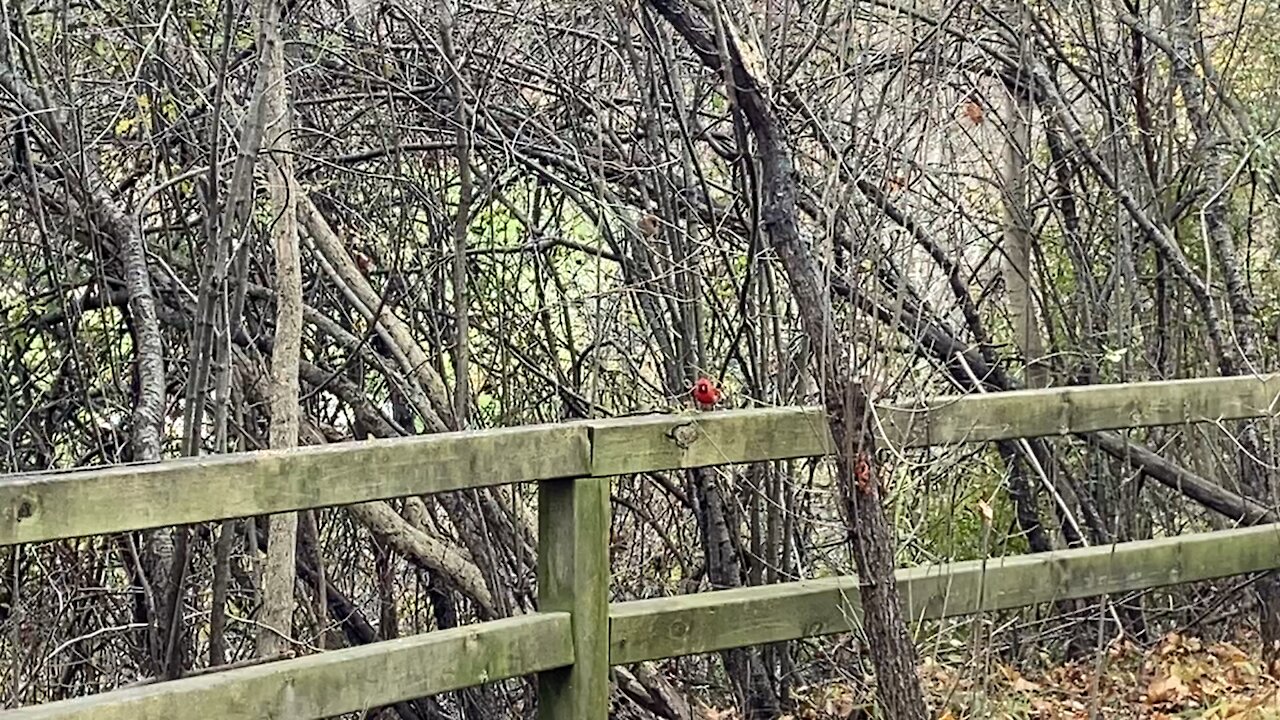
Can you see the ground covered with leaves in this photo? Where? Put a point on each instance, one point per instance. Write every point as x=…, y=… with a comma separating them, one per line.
x=1179, y=677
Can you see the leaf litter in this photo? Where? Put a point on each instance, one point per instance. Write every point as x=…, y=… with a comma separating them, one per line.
x=1178, y=678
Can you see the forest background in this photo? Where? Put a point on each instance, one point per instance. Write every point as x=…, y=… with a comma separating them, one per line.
x=570, y=210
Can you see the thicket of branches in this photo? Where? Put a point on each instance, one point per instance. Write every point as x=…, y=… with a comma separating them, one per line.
x=568, y=210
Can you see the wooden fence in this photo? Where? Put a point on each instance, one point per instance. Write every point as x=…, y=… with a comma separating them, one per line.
x=577, y=634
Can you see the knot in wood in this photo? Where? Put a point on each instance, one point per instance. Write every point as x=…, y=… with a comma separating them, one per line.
x=684, y=435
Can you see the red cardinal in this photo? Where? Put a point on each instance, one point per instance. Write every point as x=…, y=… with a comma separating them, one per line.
x=705, y=393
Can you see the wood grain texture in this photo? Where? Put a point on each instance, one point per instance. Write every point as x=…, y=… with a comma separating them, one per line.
x=340, y=681
x=1079, y=409
x=132, y=497
x=705, y=622
x=573, y=576
x=697, y=439
x=47, y=506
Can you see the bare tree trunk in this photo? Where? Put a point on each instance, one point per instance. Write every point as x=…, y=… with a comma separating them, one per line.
x=230, y=314
x=210, y=343
x=125, y=232
x=1017, y=240
x=1257, y=477
x=278, y=579
x=893, y=651
x=1018, y=250
x=461, y=223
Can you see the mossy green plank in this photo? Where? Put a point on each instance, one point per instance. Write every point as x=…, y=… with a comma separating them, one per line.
x=705, y=622
x=39, y=507
x=965, y=588
x=340, y=681
x=573, y=577
x=696, y=439
x=47, y=506
x=1060, y=411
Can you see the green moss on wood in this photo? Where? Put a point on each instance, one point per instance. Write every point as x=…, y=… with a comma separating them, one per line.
x=573, y=576
x=691, y=624
x=131, y=497
x=340, y=681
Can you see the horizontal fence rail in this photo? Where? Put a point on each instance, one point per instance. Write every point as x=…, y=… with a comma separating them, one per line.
x=718, y=620
x=48, y=506
x=382, y=673
x=577, y=635
x=1080, y=409
x=338, y=681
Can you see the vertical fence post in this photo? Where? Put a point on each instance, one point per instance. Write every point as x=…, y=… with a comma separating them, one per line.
x=573, y=576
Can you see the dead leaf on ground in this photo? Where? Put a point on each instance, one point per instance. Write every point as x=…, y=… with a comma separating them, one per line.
x=1167, y=690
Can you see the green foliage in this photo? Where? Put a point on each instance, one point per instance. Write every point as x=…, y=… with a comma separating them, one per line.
x=962, y=519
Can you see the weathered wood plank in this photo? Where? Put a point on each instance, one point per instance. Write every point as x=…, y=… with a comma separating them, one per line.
x=705, y=622
x=683, y=440
x=84, y=502
x=1061, y=411
x=340, y=681
x=132, y=497
x=573, y=576
x=696, y=439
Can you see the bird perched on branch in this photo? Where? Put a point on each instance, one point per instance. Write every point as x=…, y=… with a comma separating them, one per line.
x=705, y=393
